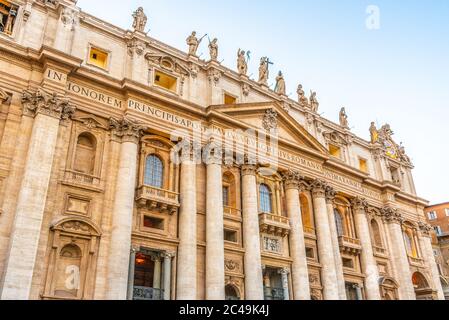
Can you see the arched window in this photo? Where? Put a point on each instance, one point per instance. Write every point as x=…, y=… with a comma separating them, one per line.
x=307, y=220
x=85, y=153
x=265, y=199
x=377, y=238
x=339, y=223
x=231, y=293
x=68, y=272
x=154, y=170
x=229, y=190
x=410, y=244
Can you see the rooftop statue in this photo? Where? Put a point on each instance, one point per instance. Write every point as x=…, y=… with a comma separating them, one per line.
x=193, y=43
x=140, y=20
x=242, y=61
x=374, y=133
x=213, y=49
x=302, y=99
x=314, y=104
x=344, y=118
x=280, y=84
x=263, y=70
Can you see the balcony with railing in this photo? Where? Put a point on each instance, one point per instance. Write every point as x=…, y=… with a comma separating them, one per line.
x=232, y=213
x=72, y=177
x=148, y=294
x=273, y=293
x=309, y=231
x=274, y=224
x=350, y=245
x=416, y=261
x=158, y=199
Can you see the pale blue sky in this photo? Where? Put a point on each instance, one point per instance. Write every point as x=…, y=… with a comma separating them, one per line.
x=398, y=74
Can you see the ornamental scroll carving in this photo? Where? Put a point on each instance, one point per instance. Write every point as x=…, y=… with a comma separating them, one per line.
x=270, y=120
x=51, y=104
x=232, y=266
x=392, y=215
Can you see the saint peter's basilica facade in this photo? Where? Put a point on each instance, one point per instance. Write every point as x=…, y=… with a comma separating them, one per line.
x=100, y=200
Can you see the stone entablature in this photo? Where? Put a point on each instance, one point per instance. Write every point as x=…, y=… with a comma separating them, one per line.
x=192, y=72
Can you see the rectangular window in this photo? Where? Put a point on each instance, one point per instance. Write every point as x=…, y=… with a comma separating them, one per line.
x=165, y=81
x=432, y=215
x=348, y=263
x=8, y=16
x=226, y=196
x=230, y=235
x=438, y=230
x=363, y=165
x=228, y=99
x=98, y=58
x=310, y=253
x=335, y=151
x=153, y=223
x=447, y=212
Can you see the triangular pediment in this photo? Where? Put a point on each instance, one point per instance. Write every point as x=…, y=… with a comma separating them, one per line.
x=260, y=115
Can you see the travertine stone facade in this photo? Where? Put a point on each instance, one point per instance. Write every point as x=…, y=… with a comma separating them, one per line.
x=103, y=195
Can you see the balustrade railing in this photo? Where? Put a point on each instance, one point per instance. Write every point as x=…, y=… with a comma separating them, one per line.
x=81, y=178
x=149, y=294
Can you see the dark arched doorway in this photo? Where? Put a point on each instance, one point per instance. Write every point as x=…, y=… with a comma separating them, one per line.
x=231, y=293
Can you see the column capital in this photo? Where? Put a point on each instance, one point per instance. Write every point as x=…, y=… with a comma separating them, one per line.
x=330, y=194
x=284, y=271
x=359, y=204
x=426, y=229
x=50, y=104
x=212, y=154
x=249, y=170
x=125, y=129
x=391, y=215
x=168, y=255
x=291, y=179
x=318, y=188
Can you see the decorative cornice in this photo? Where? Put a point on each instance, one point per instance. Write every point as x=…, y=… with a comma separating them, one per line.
x=127, y=130
x=50, y=104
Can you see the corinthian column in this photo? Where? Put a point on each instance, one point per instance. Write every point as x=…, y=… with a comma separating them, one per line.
x=300, y=273
x=330, y=196
x=325, y=247
x=215, y=273
x=187, y=250
x=251, y=235
x=398, y=253
x=128, y=133
x=48, y=110
x=369, y=264
x=425, y=240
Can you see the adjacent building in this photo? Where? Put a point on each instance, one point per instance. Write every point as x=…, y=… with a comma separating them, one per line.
x=438, y=218
x=133, y=170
